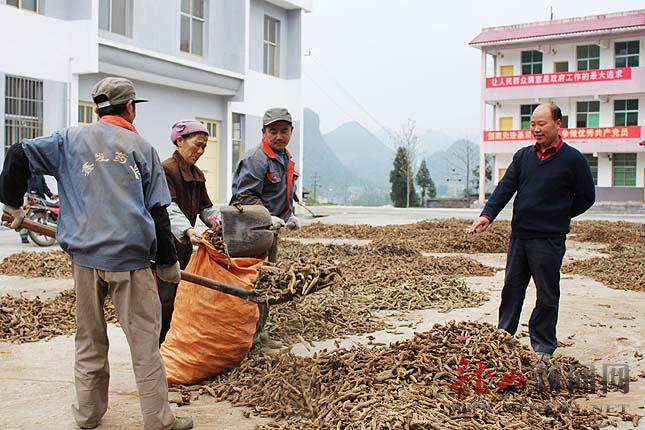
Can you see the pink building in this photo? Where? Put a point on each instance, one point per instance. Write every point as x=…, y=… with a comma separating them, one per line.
x=593, y=68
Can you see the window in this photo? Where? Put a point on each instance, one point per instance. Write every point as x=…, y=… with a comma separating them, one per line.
x=531, y=62
x=588, y=57
x=271, y=46
x=192, y=26
x=209, y=162
x=627, y=53
x=23, y=109
x=525, y=115
x=86, y=113
x=212, y=127
x=626, y=112
x=560, y=66
x=113, y=16
x=565, y=121
x=593, y=164
x=32, y=5
x=587, y=114
x=238, y=138
x=624, y=170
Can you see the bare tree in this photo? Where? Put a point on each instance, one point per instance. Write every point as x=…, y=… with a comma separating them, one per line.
x=408, y=139
x=466, y=156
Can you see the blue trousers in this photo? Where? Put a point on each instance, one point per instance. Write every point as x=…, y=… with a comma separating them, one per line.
x=540, y=258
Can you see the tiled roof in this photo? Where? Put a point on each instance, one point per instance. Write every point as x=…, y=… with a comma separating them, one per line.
x=561, y=27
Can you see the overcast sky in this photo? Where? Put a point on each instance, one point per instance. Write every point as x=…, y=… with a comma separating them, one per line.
x=410, y=58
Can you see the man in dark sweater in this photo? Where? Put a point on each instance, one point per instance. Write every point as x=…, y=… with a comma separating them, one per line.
x=553, y=183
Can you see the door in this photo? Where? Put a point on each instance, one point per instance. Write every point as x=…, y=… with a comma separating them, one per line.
x=500, y=173
x=506, y=71
x=209, y=161
x=560, y=66
x=506, y=123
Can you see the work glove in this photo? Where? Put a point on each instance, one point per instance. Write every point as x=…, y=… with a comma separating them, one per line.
x=169, y=273
x=18, y=215
x=277, y=223
x=293, y=223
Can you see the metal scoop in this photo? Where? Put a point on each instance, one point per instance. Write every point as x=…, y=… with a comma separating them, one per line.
x=247, y=230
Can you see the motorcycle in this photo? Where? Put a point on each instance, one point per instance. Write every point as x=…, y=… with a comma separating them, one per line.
x=42, y=211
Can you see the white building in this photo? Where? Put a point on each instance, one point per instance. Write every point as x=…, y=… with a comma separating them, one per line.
x=223, y=62
x=593, y=68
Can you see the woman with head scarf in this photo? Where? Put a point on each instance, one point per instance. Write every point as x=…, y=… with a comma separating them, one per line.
x=187, y=186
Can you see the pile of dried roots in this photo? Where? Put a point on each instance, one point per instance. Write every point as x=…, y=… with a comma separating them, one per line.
x=287, y=280
x=464, y=375
x=29, y=320
x=50, y=264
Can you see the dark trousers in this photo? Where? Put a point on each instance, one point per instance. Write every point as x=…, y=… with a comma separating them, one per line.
x=167, y=292
x=540, y=258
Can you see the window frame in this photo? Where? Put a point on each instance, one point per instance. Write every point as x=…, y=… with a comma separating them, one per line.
x=87, y=105
x=586, y=112
x=619, y=165
x=627, y=56
x=533, y=63
x=523, y=116
x=269, y=44
x=191, y=18
x=593, y=166
x=127, y=19
x=588, y=58
x=236, y=156
x=625, y=111
x=24, y=109
x=20, y=6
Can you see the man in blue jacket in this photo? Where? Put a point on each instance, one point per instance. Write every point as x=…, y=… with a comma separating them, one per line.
x=266, y=175
x=553, y=183
x=113, y=198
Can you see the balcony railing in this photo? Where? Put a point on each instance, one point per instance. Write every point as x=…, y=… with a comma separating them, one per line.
x=577, y=77
x=625, y=132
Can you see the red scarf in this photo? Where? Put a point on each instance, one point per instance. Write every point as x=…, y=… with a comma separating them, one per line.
x=119, y=121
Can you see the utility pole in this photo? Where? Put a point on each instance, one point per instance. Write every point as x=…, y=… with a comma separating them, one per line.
x=316, y=178
x=454, y=180
x=407, y=187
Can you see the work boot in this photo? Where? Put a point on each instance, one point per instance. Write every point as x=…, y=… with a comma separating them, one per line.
x=182, y=423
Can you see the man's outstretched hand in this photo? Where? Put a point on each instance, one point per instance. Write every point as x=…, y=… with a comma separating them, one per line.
x=479, y=225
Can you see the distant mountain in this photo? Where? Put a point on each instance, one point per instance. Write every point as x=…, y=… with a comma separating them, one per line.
x=433, y=141
x=429, y=142
x=334, y=178
x=385, y=136
x=362, y=153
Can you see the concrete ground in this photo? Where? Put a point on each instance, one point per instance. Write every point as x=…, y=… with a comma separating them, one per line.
x=600, y=326
x=390, y=215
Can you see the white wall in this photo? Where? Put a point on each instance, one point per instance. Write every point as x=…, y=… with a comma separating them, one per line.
x=604, y=170
x=501, y=161
x=259, y=9
x=640, y=169
x=157, y=28
x=41, y=47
